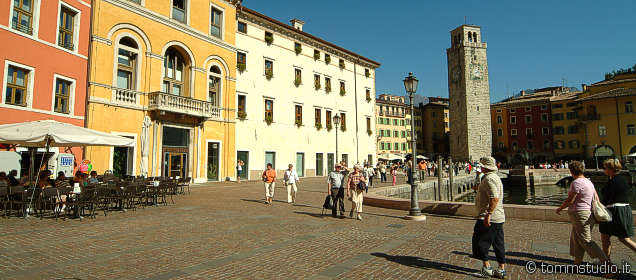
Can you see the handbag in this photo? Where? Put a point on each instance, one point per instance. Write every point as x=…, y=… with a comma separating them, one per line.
x=362, y=186
x=328, y=203
x=600, y=211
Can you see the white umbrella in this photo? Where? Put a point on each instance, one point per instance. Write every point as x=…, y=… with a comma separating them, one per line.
x=145, y=127
x=421, y=157
x=632, y=155
x=395, y=157
x=47, y=133
x=57, y=134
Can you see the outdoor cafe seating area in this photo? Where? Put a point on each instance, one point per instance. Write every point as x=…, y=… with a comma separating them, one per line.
x=110, y=193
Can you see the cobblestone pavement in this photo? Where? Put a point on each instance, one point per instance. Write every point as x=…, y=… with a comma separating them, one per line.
x=224, y=231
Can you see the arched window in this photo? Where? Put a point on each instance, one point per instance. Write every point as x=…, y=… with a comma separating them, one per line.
x=175, y=76
x=214, y=80
x=127, y=54
x=470, y=37
x=475, y=37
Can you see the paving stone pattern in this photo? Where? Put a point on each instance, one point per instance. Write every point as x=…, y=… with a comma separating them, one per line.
x=224, y=231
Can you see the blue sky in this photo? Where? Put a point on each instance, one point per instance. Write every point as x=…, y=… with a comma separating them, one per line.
x=531, y=44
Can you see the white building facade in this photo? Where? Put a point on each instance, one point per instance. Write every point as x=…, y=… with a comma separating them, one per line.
x=289, y=87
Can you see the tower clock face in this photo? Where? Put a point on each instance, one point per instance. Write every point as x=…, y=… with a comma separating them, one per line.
x=476, y=72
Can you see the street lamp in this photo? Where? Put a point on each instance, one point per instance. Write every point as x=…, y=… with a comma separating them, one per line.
x=410, y=84
x=336, y=122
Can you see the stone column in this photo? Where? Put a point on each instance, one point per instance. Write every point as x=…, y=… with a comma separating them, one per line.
x=439, y=177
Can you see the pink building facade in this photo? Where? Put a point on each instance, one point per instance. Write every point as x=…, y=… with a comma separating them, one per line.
x=44, y=60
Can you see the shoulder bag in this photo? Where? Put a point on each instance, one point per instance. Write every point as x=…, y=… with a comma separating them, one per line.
x=599, y=210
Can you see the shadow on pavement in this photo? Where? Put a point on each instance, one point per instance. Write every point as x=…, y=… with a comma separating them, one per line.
x=528, y=257
x=418, y=262
x=315, y=215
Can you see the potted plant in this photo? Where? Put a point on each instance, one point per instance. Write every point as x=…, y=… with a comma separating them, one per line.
x=241, y=67
x=298, y=49
x=342, y=92
x=367, y=73
x=316, y=55
x=242, y=115
x=318, y=126
x=317, y=84
x=343, y=128
x=297, y=81
x=269, y=39
x=369, y=132
x=298, y=123
x=269, y=74
x=329, y=127
x=368, y=98
x=342, y=64
x=327, y=59
x=269, y=120
x=328, y=88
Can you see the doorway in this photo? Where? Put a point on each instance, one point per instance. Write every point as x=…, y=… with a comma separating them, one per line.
x=213, y=161
x=245, y=157
x=270, y=157
x=122, y=161
x=319, y=159
x=330, y=162
x=300, y=164
x=175, y=164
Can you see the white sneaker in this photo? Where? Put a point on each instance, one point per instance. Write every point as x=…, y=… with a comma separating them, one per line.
x=486, y=272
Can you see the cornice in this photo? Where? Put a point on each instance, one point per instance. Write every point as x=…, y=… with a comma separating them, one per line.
x=102, y=40
x=142, y=11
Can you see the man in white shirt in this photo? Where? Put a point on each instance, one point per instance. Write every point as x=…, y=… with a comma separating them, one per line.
x=290, y=179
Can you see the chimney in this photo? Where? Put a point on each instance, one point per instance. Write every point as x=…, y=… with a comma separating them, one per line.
x=523, y=93
x=583, y=87
x=298, y=24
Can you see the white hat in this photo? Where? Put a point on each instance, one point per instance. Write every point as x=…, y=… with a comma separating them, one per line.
x=488, y=163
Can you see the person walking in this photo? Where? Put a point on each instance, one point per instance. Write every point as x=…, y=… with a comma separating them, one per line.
x=579, y=204
x=394, y=174
x=382, y=168
x=269, y=177
x=488, y=230
x=291, y=179
x=239, y=170
x=354, y=192
x=615, y=196
x=335, y=188
x=369, y=173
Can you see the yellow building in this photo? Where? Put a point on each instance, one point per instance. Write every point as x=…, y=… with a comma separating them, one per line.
x=607, y=112
x=393, y=126
x=163, y=73
x=567, y=132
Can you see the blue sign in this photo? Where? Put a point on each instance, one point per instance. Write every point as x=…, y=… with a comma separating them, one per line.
x=66, y=161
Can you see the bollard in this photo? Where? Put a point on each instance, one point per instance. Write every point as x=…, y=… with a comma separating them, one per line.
x=439, y=176
x=450, y=177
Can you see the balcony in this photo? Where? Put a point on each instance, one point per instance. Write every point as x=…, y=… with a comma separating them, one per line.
x=162, y=101
x=126, y=97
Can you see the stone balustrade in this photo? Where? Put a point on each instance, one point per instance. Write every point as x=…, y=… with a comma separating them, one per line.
x=126, y=96
x=183, y=105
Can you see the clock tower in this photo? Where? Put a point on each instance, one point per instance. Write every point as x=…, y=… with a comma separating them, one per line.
x=469, y=93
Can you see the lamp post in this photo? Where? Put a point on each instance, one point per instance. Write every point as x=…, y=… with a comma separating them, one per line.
x=336, y=122
x=410, y=84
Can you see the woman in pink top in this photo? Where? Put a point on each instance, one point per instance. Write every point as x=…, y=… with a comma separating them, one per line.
x=579, y=204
